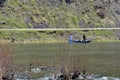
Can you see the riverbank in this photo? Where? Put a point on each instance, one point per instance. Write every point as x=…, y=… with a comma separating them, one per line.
x=58, y=36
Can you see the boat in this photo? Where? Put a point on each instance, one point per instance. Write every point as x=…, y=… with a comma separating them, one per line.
x=83, y=40
x=78, y=41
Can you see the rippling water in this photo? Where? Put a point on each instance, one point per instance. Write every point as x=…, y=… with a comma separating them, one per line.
x=49, y=78
x=103, y=58
x=90, y=77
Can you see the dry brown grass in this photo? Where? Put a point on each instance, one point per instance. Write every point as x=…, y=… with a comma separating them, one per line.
x=72, y=61
x=6, y=62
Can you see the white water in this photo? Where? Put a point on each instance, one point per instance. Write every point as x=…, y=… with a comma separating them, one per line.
x=24, y=76
x=89, y=78
x=36, y=70
x=102, y=78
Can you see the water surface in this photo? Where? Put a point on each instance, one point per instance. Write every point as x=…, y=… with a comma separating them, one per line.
x=98, y=58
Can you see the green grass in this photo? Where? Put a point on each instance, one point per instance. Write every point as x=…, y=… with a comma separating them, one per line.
x=24, y=14
x=99, y=58
x=58, y=36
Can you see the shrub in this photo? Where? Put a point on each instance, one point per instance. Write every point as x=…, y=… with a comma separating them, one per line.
x=101, y=13
x=6, y=63
x=71, y=65
x=2, y=2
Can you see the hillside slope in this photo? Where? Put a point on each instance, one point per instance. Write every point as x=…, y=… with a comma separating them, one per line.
x=59, y=14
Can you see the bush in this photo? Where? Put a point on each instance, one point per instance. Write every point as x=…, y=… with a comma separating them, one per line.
x=71, y=65
x=6, y=63
x=101, y=13
x=2, y=2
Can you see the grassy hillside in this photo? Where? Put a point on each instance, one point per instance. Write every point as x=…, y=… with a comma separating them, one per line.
x=57, y=14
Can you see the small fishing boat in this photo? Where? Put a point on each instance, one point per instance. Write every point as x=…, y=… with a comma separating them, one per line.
x=78, y=41
x=83, y=40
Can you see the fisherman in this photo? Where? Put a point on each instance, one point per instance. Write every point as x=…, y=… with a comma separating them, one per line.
x=71, y=37
x=84, y=37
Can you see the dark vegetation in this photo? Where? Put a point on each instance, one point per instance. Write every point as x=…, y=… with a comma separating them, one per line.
x=59, y=13
x=2, y=3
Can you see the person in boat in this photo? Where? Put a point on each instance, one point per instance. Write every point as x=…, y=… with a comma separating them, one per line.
x=71, y=37
x=83, y=38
